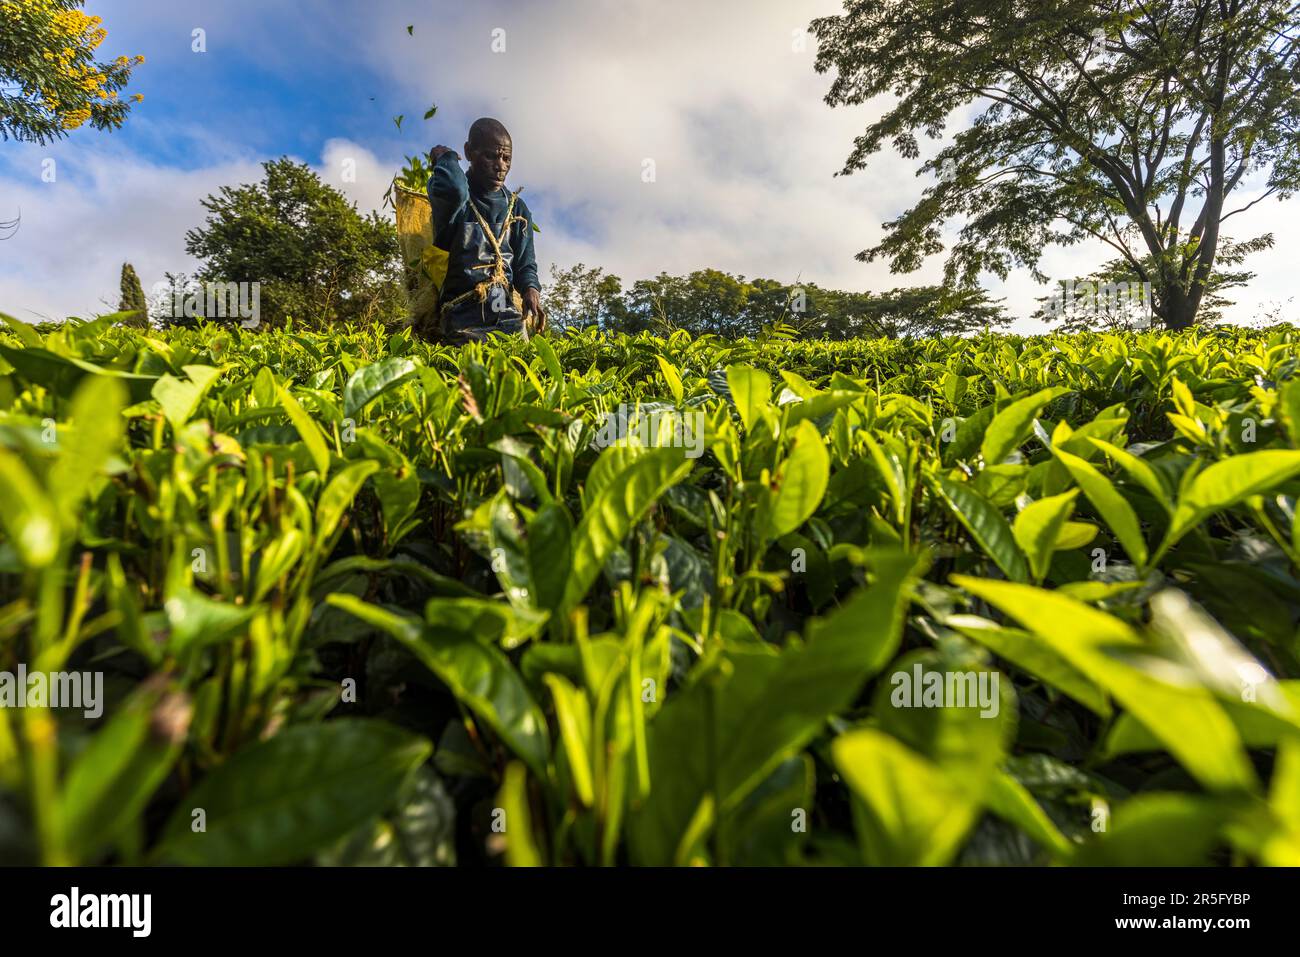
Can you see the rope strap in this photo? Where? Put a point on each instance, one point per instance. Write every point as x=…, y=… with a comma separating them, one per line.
x=498, y=266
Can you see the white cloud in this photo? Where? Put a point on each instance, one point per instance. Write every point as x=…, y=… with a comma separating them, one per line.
x=76, y=232
x=715, y=95
x=66, y=256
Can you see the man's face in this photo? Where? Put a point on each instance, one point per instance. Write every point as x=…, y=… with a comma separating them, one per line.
x=489, y=161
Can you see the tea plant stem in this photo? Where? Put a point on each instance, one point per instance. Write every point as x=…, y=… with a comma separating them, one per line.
x=715, y=787
x=80, y=604
x=49, y=608
x=43, y=764
x=1261, y=515
x=225, y=579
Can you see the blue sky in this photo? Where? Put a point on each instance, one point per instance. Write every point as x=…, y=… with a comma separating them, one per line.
x=720, y=97
x=278, y=77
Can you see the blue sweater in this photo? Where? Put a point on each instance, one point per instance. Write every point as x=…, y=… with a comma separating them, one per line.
x=457, y=230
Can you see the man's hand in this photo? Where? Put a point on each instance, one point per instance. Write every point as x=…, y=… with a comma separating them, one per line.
x=436, y=153
x=533, y=304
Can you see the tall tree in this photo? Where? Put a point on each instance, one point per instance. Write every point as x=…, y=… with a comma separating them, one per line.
x=317, y=258
x=1116, y=298
x=583, y=296
x=132, y=298
x=166, y=306
x=50, y=81
x=1130, y=121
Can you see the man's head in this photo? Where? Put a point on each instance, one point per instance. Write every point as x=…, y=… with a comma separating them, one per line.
x=488, y=152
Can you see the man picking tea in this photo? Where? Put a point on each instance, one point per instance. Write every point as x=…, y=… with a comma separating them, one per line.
x=487, y=231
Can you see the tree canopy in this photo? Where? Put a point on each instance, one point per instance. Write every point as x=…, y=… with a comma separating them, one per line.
x=1128, y=121
x=50, y=81
x=317, y=258
x=582, y=296
x=132, y=298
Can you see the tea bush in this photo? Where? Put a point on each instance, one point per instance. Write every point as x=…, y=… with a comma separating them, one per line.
x=601, y=600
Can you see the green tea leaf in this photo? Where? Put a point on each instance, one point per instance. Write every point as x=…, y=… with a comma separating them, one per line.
x=618, y=506
x=986, y=525
x=1288, y=408
x=178, y=399
x=419, y=832
x=1158, y=830
x=574, y=717
x=483, y=620
x=278, y=558
x=1011, y=801
x=338, y=495
x=891, y=470
x=718, y=739
x=672, y=377
x=308, y=430
x=910, y=813
x=800, y=481
x=28, y=516
x=1228, y=482
x=549, y=358
x=196, y=620
x=1013, y=424
x=751, y=390
x=1038, y=527
x=25, y=332
x=1186, y=719
x=370, y=382
x=520, y=845
x=822, y=404
x=96, y=435
x=111, y=781
x=1109, y=503
x=550, y=551
x=1036, y=657
x=1138, y=470
x=478, y=675
x=277, y=801
x=954, y=387
x=62, y=374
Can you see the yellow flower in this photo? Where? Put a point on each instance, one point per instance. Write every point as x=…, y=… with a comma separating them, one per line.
x=75, y=118
x=138, y=97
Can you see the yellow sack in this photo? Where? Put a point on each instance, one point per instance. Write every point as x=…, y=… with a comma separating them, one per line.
x=424, y=264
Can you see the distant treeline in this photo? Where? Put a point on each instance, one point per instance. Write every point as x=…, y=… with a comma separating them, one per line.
x=708, y=300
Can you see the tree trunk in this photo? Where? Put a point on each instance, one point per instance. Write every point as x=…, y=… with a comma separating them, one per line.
x=1177, y=308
